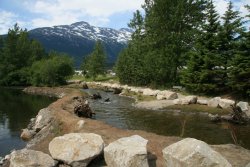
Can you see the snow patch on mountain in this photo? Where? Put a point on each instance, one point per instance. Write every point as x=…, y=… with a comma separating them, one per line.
x=85, y=30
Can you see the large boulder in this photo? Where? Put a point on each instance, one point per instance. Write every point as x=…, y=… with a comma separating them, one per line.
x=150, y=92
x=226, y=103
x=202, y=101
x=214, y=102
x=76, y=149
x=189, y=100
x=43, y=119
x=128, y=151
x=244, y=106
x=168, y=95
x=177, y=101
x=190, y=152
x=30, y=158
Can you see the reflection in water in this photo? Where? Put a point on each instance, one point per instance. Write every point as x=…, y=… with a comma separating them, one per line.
x=16, y=109
x=120, y=113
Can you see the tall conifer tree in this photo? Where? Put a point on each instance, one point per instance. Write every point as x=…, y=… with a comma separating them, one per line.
x=201, y=74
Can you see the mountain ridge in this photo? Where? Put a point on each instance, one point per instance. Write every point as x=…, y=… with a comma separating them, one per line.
x=78, y=39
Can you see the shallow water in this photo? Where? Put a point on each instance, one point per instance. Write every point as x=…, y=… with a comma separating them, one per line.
x=16, y=110
x=120, y=113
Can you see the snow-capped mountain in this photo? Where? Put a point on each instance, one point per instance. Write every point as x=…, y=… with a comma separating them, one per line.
x=78, y=39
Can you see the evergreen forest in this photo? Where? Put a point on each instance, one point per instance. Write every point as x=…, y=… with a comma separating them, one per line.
x=186, y=42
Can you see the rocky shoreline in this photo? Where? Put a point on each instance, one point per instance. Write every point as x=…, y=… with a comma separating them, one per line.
x=59, y=124
x=161, y=99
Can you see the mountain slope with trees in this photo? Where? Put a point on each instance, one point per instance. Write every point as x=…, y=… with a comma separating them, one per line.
x=78, y=40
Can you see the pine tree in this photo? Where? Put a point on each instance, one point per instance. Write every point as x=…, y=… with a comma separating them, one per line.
x=161, y=40
x=239, y=77
x=229, y=37
x=201, y=74
x=18, y=53
x=95, y=64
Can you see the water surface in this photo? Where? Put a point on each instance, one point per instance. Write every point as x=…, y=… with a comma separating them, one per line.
x=120, y=113
x=16, y=110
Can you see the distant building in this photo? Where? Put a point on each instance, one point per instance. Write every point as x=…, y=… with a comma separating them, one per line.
x=79, y=72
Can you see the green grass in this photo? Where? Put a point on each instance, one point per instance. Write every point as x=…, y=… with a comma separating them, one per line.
x=100, y=78
x=199, y=108
x=138, y=96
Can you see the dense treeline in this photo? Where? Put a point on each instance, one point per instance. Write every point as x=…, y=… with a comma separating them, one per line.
x=24, y=62
x=186, y=42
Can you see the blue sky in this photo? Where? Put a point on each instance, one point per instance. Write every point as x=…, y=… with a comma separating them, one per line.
x=103, y=13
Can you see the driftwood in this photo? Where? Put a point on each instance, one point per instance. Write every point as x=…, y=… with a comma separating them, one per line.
x=237, y=116
x=82, y=108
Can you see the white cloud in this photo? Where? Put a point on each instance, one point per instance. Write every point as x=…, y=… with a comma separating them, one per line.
x=96, y=12
x=221, y=6
x=7, y=20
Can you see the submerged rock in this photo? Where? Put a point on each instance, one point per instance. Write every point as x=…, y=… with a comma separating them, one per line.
x=190, y=152
x=30, y=158
x=128, y=151
x=76, y=149
x=96, y=96
x=117, y=90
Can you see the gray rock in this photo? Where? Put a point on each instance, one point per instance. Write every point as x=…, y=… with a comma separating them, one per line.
x=244, y=107
x=76, y=149
x=128, y=151
x=177, y=101
x=168, y=95
x=214, y=102
x=193, y=153
x=226, y=103
x=1, y=160
x=202, y=101
x=26, y=134
x=150, y=92
x=43, y=119
x=30, y=158
x=80, y=124
x=189, y=100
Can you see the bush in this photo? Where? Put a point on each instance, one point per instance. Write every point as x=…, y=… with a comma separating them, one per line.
x=52, y=71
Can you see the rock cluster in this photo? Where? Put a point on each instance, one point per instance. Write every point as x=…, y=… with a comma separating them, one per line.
x=38, y=126
x=79, y=149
